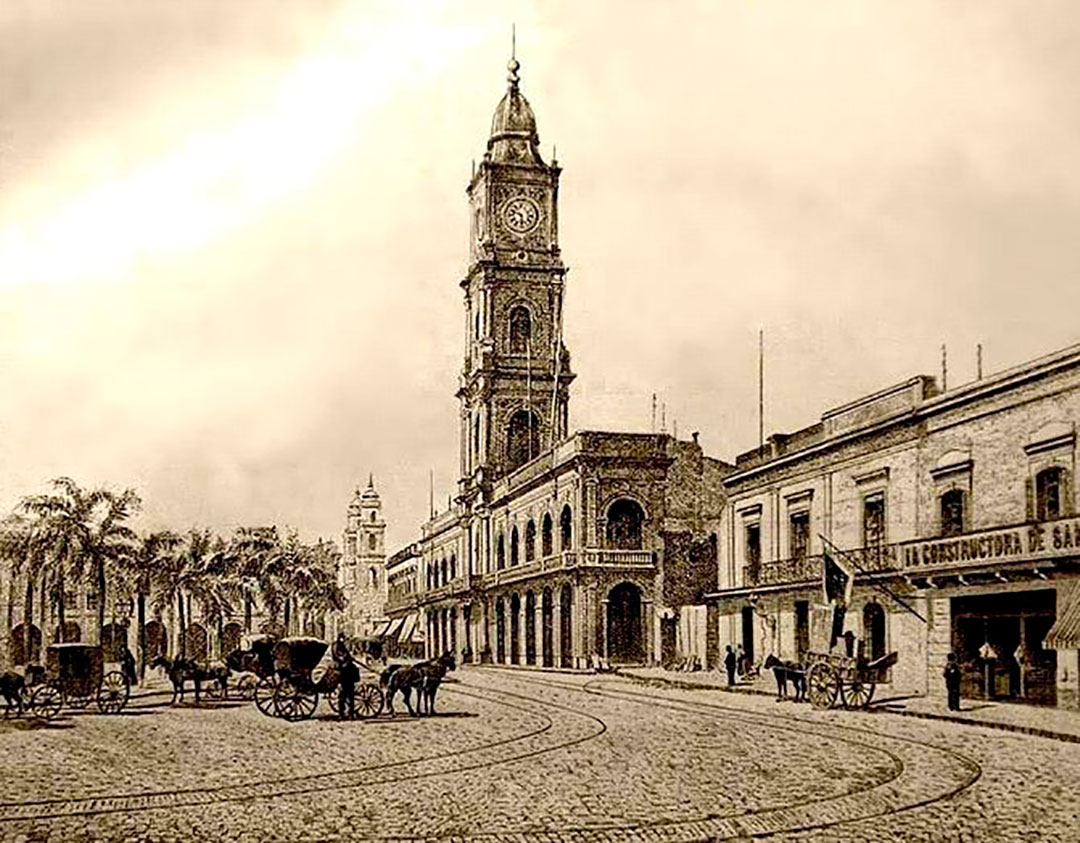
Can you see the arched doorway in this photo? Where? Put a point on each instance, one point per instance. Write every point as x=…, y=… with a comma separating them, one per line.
x=530, y=627
x=230, y=638
x=113, y=641
x=71, y=633
x=566, y=612
x=547, y=617
x=500, y=631
x=157, y=641
x=624, y=639
x=624, y=520
x=515, y=620
x=874, y=631
x=18, y=645
x=195, y=643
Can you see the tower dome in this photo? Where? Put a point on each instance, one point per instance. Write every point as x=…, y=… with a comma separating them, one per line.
x=513, y=126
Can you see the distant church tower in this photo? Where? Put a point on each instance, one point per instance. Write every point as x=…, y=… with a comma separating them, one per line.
x=363, y=566
x=514, y=386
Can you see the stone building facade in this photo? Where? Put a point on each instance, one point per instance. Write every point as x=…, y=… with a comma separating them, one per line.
x=558, y=549
x=960, y=503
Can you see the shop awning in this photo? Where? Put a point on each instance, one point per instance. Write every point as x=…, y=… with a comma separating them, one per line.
x=392, y=629
x=1065, y=633
x=380, y=630
x=408, y=629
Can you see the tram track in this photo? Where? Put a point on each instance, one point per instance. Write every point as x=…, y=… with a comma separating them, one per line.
x=901, y=788
x=479, y=757
x=905, y=786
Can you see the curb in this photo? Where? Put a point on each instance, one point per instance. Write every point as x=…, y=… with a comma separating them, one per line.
x=1035, y=731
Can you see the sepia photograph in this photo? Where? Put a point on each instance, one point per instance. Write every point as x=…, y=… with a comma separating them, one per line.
x=538, y=420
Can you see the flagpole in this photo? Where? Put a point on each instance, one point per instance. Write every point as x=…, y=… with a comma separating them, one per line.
x=863, y=570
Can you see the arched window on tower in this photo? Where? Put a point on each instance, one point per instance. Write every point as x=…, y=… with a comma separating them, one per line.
x=373, y=578
x=520, y=329
x=522, y=439
x=513, y=547
x=624, y=522
x=545, y=536
x=371, y=543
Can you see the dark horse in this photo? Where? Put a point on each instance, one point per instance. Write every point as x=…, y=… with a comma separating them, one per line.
x=783, y=671
x=12, y=686
x=258, y=661
x=423, y=677
x=180, y=670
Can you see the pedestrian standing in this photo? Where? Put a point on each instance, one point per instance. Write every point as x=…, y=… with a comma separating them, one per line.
x=740, y=661
x=729, y=664
x=952, y=682
x=127, y=662
x=348, y=674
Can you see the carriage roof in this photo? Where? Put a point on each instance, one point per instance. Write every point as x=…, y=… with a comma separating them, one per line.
x=299, y=654
x=78, y=666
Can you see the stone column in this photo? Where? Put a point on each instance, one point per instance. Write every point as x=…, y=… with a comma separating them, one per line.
x=604, y=630
x=538, y=629
x=647, y=630
x=556, y=627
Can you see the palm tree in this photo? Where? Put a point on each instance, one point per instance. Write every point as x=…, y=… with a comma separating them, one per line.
x=260, y=565
x=141, y=567
x=111, y=540
x=314, y=579
x=22, y=542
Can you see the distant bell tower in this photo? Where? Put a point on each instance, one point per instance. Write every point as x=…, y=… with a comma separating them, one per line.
x=363, y=570
x=516, y=371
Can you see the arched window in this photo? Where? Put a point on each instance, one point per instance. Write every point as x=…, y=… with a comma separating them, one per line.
x=453, y=566
x=545, y=536
x=513, y=547
x=952, y=512
x=530, y=541
x=371, y=542
x=522, y=438
x=373, y=578
x=520, y=329
x=566, y=521
x=372, y=518
x=445, y=571
x=1049, y=493
x=624, y=521
x=500, y=552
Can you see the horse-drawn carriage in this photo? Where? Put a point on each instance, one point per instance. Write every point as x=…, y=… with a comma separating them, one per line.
x=849, y=679
x=75, y=675
x=279, y=676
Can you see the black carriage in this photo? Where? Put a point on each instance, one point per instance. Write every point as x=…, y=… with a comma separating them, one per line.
x=296, y=692
x=75, y=676
x=255, y=665
x=848, y=679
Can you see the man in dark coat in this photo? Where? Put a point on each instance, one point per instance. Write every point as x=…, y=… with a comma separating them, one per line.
x=127, y=662
x=952, y=682
x=348, y=673
x=729, y=664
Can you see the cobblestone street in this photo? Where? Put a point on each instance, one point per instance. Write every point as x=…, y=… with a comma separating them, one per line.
x=517, y=755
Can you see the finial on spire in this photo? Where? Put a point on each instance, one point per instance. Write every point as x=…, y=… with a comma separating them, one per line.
x=513, y=65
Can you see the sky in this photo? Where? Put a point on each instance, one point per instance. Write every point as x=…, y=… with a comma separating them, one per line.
x=231, y=234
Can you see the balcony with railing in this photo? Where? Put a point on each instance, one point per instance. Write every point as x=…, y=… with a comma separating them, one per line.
x=573, y=559
x=808, y=568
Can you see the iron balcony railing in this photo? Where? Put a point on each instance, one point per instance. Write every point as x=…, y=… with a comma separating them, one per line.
x=807, y=568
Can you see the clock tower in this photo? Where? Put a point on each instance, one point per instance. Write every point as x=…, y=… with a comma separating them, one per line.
x=516, y=372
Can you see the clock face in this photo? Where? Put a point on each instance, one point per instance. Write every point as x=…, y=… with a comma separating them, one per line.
x=521, y=215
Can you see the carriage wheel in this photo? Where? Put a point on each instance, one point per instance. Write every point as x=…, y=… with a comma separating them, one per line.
x=113, y=692
x=264, y=695
x=857, y=693
x=45, y=702
x=292, y=703
x=822, y=684
x=245, y=688
x=369, y=700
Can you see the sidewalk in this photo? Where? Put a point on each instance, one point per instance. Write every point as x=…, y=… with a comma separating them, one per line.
x=1043, y=721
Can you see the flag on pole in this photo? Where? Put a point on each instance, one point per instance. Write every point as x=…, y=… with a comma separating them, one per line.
x=837, y=581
